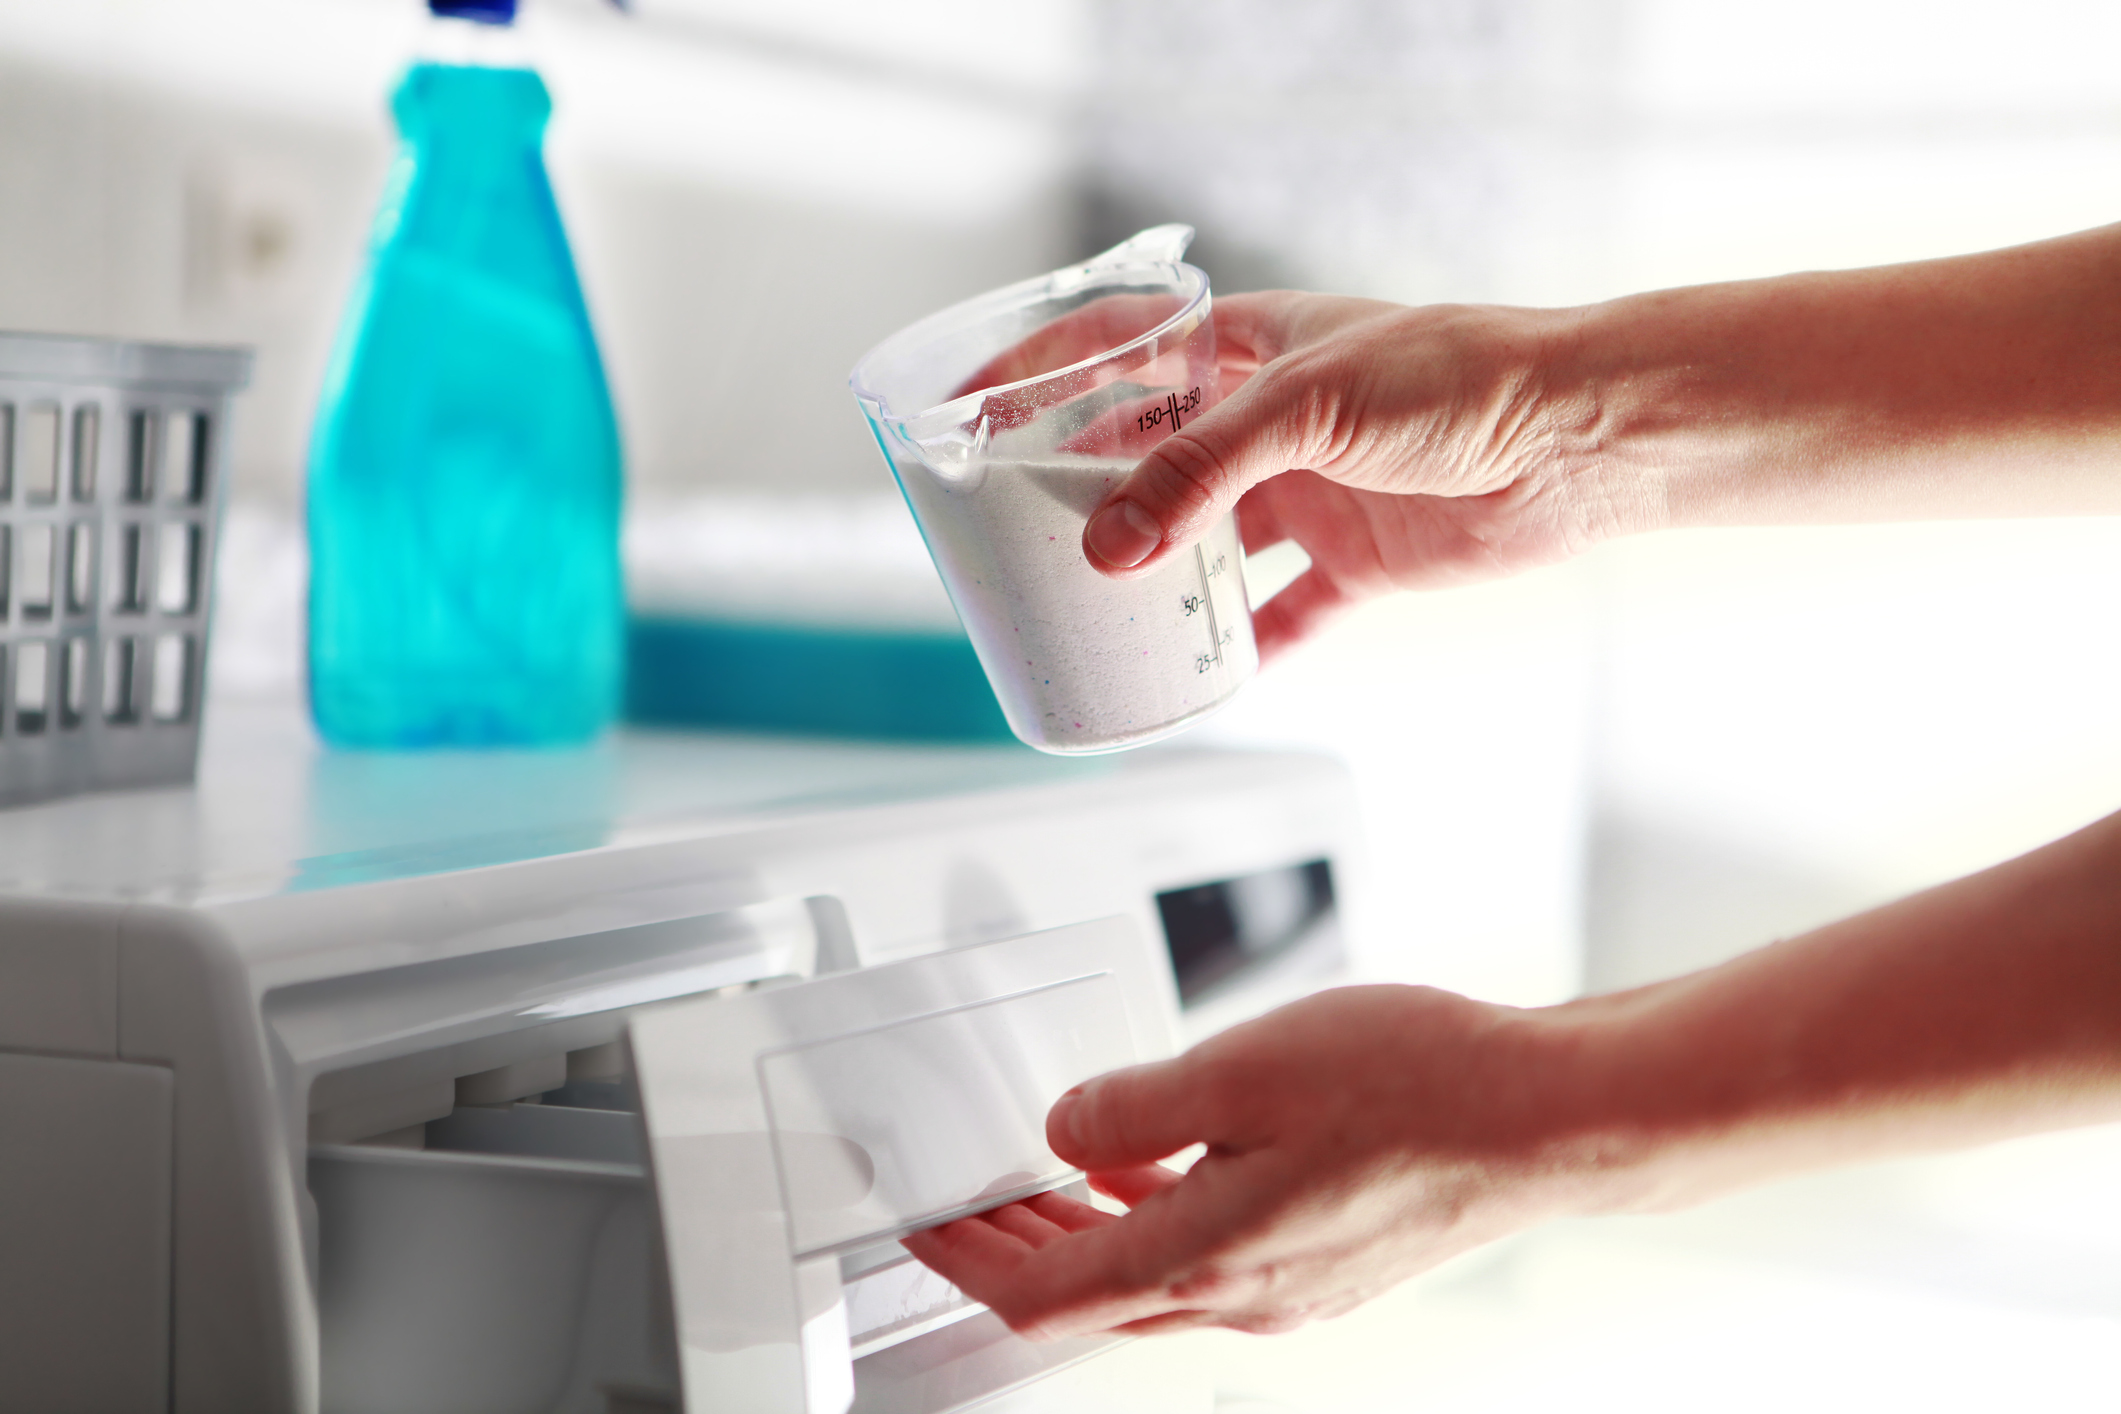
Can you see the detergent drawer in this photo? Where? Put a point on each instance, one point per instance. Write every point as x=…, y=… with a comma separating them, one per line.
x=719, y=1228
x=517, y=1269
x=452, y=1280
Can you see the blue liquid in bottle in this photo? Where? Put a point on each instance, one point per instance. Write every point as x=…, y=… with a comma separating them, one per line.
x=464, y=470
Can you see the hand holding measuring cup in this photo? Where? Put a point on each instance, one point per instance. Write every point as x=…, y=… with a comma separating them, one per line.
x=1006, y=420
x=1400, y=448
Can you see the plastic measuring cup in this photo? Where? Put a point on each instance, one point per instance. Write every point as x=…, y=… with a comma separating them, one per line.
x=1007, y=419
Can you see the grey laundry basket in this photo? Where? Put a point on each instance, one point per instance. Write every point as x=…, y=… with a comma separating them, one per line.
x=112, y=459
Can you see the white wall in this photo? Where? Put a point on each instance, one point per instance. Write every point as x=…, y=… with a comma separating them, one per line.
x=755, y=193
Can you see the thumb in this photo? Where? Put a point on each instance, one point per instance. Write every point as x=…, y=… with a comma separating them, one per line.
x=1192, y=478
x=1128, y=1117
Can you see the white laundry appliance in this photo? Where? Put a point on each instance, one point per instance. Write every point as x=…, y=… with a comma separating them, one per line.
x=594, y=1081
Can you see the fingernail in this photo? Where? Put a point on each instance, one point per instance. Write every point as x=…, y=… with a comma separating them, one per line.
x=1122, y=535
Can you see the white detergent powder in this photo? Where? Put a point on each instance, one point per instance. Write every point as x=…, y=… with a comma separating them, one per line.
x=1080, y=662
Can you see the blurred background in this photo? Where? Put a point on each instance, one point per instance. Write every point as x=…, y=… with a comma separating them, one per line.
x=1590, y=777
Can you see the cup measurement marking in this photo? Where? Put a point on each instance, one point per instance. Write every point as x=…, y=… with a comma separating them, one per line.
x=1205, y=603
x=1173, y=408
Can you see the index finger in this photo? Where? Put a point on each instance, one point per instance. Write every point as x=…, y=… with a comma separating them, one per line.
x=1299, y=409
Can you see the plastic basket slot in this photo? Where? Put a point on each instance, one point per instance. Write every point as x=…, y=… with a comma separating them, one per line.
x=33, y=570
x=140, y=457
x=121, y=703
x=40, y=453
x=7, y=451
x=88, y=419
x=176, y=565
x=170, y=688
x=32, y=695
x=73, y=683
x=129, y=583
x=7, y=579
x=81, y=567
x=184, y=456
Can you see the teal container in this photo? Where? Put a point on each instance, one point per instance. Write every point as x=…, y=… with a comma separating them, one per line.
x=464, y=476
x=879, y=684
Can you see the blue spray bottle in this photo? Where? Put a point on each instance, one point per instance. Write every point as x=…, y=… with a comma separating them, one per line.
x=464, y=475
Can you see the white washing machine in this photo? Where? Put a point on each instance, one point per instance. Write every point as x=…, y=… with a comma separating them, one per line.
x=596, y=1081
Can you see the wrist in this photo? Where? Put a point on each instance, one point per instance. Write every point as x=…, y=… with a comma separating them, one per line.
x=1607, y=411
x=1585, y=1114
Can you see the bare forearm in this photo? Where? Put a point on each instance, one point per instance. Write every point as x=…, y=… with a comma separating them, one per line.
x=1979, y=385
x=1985, y=1008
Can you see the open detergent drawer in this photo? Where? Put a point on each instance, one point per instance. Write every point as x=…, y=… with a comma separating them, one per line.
x=731, y=1245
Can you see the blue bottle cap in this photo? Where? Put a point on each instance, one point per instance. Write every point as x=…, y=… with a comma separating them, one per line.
x=485, y=12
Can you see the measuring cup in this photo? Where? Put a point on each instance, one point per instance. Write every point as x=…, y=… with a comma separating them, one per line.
x=1007, y=419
